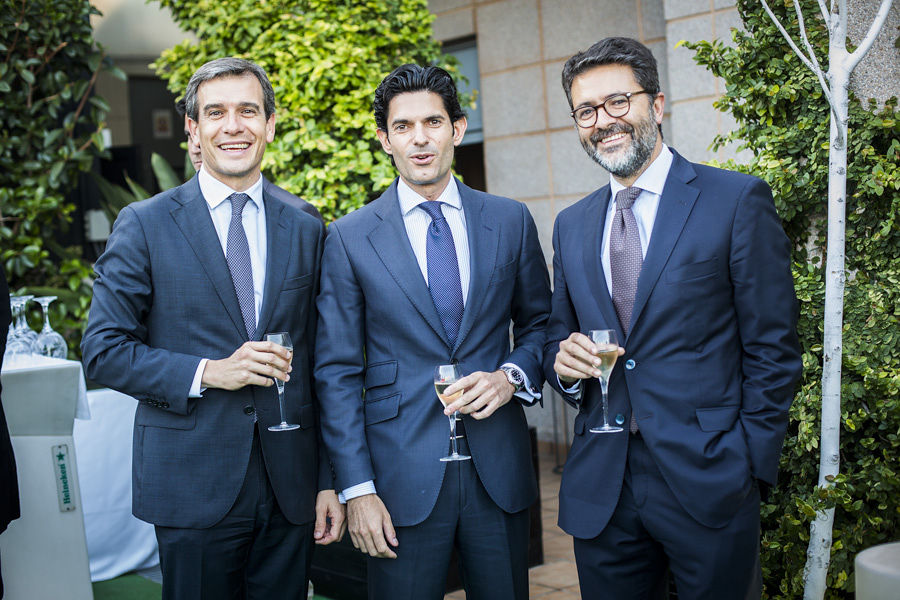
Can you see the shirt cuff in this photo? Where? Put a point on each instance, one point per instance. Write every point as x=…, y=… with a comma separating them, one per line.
x=574, y=390
x=355, y=491
x=529, y=393
x=196, y=391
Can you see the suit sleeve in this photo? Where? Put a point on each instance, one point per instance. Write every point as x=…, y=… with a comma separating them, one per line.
x=340, y=364
x=531, y=303
x=326, y=473
x=766, y=308
x=115, y=349
x=563, y=319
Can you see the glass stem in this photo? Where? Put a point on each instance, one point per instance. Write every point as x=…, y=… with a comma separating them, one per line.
x=604, y=388
x=453, y=433
x=46, y=310
x=281, y=402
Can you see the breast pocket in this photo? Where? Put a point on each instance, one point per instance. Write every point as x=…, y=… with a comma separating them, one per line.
x=296, y=283
x=703, y=269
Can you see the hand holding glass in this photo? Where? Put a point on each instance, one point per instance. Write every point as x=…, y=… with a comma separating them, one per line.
x=282, y=339
x=608, y=351
x=444, y=377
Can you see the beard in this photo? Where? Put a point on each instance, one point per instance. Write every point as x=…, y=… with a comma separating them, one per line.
x=624, y=164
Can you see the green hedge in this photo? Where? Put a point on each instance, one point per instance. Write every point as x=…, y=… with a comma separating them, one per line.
x=49, y=134
x=783, y=120
x=324, y=58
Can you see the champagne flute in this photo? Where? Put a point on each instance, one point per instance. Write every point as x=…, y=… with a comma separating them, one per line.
x=444, y=377
x=608, y=351
x=281, y=338
x=49, y=342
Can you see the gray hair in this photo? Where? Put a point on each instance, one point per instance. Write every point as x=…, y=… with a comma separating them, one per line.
x=227, y=67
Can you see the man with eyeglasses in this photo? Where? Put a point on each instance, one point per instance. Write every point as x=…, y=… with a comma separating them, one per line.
x=691, y=268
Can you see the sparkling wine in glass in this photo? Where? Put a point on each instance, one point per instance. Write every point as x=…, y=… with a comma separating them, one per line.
x=608, y=351
x=281, y=338
x=444, y=376
x=49, y=342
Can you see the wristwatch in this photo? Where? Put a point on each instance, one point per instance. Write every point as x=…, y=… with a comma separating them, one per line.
x=515, y=378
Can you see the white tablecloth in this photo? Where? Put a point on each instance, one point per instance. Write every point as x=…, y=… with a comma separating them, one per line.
x=34, y=362
x=117, y=542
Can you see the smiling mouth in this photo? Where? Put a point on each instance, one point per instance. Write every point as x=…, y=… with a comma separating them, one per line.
x=235, y=146
x=613, y=138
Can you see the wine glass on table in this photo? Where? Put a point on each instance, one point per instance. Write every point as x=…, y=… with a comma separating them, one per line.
x=607, y=351
x=281, y=338
x=25, y=332
x=49, y=342
x=444, y=377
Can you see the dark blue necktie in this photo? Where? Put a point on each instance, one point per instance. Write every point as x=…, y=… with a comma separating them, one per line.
x=237, y=254
x=443, y=271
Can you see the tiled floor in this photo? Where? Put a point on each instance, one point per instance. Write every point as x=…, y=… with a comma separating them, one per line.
x=556, y=579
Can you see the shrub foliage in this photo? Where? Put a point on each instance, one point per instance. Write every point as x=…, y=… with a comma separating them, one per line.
x=324, y=59
x=783, y=120
x=49, y=133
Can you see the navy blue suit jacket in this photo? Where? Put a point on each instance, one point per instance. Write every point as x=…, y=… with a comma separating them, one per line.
x=164, y=299
x=380, y=338
x=711, y=358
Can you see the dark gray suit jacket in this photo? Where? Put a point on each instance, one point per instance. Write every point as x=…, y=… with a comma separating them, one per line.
x=290, y=199
x=9, y=486
x=164, y=299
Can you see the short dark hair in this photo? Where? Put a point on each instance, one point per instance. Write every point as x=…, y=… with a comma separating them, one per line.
x=614, y=51
x=227, y=67
x=413, y=78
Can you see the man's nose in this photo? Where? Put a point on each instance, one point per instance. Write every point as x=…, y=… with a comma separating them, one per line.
x=232, y=123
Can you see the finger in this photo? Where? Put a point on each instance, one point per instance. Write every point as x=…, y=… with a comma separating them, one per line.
x=486, y=411
x=321, y=522
x=390, y=535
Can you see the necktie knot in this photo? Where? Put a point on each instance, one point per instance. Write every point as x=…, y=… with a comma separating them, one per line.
x=433, y=208
x=238, y=201
x=625, y=198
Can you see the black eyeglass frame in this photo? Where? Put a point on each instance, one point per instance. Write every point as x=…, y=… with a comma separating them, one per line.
x=602, y=105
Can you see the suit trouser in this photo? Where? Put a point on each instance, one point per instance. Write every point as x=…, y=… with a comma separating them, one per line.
x=650, y=531
x=254, y=552
x=492, y=545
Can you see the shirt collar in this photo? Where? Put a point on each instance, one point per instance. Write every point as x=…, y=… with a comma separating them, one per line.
x=653, y=179
x=410, y=199
x=215, y=192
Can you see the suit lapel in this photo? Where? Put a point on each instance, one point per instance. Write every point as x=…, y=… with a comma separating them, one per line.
x=391, y=243
x=593, y=225
x=484, y=239
x=278, y=236
x=675, y=206
x=192, y=217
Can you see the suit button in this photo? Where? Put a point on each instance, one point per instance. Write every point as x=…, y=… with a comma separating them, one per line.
x=620, y=418
x=249, y=410
x=629, y=364
x=165, y=405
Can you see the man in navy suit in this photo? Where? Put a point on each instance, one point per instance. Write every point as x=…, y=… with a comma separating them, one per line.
x=191, y=281
x=430, y=273
x=690, y=266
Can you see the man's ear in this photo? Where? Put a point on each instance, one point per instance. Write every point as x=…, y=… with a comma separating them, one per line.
x=384, y=139
x=459, y=130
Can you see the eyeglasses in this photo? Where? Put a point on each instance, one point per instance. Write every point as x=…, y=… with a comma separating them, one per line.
x=615, y=106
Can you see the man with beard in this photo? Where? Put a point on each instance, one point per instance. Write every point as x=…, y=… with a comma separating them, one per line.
x=691, y=268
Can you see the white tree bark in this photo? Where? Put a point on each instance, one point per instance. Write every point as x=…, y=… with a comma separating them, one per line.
x=835, y=84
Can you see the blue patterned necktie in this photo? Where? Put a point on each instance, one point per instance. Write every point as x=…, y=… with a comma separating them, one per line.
x=443, y=271
x=237, y=254
x=625, y=255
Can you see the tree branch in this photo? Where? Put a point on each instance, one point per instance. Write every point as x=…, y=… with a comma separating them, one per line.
x=874, y=30
x=826, y=13
x=805, y=38
x=806, y=61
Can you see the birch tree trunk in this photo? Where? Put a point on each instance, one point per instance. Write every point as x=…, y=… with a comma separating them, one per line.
x=835, y=84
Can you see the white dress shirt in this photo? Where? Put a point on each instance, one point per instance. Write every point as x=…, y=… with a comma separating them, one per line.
x=652, y=181
x=253, y=217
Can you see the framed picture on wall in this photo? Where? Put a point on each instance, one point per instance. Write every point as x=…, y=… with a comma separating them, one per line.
x=162, y=123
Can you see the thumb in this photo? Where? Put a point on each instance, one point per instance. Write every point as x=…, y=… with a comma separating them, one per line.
x=389, y=532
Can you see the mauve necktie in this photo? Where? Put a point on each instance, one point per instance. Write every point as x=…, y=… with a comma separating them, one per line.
x=443, y=271
x=237, y=254
x=625, y=260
